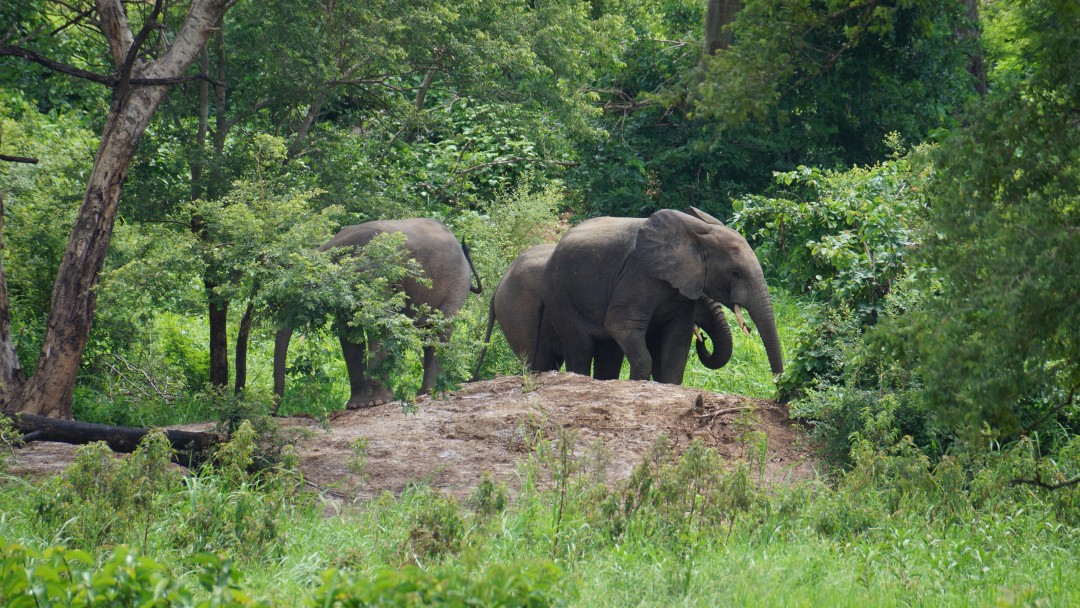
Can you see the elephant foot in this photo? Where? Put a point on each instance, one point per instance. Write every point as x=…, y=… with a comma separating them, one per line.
x=363, y=405
x=371, y=398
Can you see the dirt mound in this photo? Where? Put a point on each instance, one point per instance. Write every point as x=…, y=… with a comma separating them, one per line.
x=451, y=441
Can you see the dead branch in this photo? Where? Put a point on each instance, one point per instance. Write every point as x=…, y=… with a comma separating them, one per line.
x=19, y=159
x=730, y=410
x=1048, y=486
x=192, y=447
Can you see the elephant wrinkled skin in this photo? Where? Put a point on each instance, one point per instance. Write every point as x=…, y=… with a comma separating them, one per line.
x=624, y=285
x=516, y=305
x=445, y=263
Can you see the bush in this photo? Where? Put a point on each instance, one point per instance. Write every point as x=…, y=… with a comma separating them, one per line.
x=105, y=500
x=528, y=583
x=69, y=577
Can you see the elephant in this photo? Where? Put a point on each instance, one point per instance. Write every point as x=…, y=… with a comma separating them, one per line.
x=516, y=306
x=445, y=263
x=626, y=285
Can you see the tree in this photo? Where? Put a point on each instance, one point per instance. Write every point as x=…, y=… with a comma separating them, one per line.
x=1000, y=346
x=360, y=90
x=139, y=84
x=704, y=114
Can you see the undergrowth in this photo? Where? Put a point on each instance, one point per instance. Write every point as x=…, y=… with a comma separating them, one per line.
x=680, y=530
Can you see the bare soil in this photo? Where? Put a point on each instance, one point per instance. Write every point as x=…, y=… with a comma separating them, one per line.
x=490, y=426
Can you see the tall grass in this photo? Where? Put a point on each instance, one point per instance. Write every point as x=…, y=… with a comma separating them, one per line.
x=748, y=372
x=681, y=532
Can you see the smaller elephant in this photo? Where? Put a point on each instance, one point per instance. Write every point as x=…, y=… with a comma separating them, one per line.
x=516, y=305
x=445, y=263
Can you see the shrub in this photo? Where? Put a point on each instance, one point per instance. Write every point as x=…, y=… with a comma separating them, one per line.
x=527, y=583
x=843, y=239
x=437, y=529
x=102, y=499
x=69, y=577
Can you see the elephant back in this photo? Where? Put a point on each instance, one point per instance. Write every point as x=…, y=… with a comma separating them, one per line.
x=433, y=246
x=517, y=298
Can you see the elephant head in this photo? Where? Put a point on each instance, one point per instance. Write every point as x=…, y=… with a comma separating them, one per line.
x=701, y=257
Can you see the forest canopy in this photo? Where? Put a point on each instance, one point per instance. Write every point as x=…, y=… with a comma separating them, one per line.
x=906, y=169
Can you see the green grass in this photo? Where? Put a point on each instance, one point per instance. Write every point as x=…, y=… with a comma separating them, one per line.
x=684, y=533
x=748, y=372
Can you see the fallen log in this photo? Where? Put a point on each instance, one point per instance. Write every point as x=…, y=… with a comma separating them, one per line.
x=191, y=447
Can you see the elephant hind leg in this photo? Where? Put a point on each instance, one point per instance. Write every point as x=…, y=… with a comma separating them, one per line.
x=607, y=364
x=431, y=370
x=364, y=391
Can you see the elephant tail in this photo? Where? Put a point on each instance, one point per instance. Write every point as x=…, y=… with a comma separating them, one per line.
x=487, y=338
x=479, y=287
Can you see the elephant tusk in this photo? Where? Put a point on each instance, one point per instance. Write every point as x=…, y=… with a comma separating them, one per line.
x=697, y=333
x=738, y=317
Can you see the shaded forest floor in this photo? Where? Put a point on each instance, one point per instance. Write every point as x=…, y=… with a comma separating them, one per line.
x=450, y=441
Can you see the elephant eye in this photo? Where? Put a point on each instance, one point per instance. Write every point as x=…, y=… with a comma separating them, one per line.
x=736, y=273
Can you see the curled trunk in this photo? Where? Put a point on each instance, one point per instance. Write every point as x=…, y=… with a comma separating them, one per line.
x=709, y=316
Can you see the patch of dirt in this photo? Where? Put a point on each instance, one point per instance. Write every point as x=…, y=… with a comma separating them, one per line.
x=451, y=441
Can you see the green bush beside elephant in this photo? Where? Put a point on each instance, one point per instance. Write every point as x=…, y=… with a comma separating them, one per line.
x=445, y=263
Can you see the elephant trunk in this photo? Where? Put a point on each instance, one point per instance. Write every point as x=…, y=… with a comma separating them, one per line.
x=710, y=317
x=761, y=311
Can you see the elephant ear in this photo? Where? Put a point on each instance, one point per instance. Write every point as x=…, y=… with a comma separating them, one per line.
x=705, y=217
x=669, y=248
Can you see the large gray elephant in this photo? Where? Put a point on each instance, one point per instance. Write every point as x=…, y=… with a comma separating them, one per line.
x=516, y=305
x=446, y=264
x=622, y=285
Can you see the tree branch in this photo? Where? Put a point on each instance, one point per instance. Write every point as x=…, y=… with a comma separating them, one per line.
x=114, y=25
x=35, y=57
x=133, y=52
x=19, y=159
x=109, y=80
x=1042, y=484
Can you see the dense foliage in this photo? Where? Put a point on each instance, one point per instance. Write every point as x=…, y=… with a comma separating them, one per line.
x=678, y=530
x=1000, y=343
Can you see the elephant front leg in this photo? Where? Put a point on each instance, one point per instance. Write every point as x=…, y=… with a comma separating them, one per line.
x=365, y=391
x=632, y=342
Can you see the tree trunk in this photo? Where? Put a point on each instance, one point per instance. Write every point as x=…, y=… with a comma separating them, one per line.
x=242, y=337
x=281, y=355
x=12, y=378
x=718, y=15
x=219, y=336
x=191, y=446
x=71, y=311
x=217, y=308
x=976, y=61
